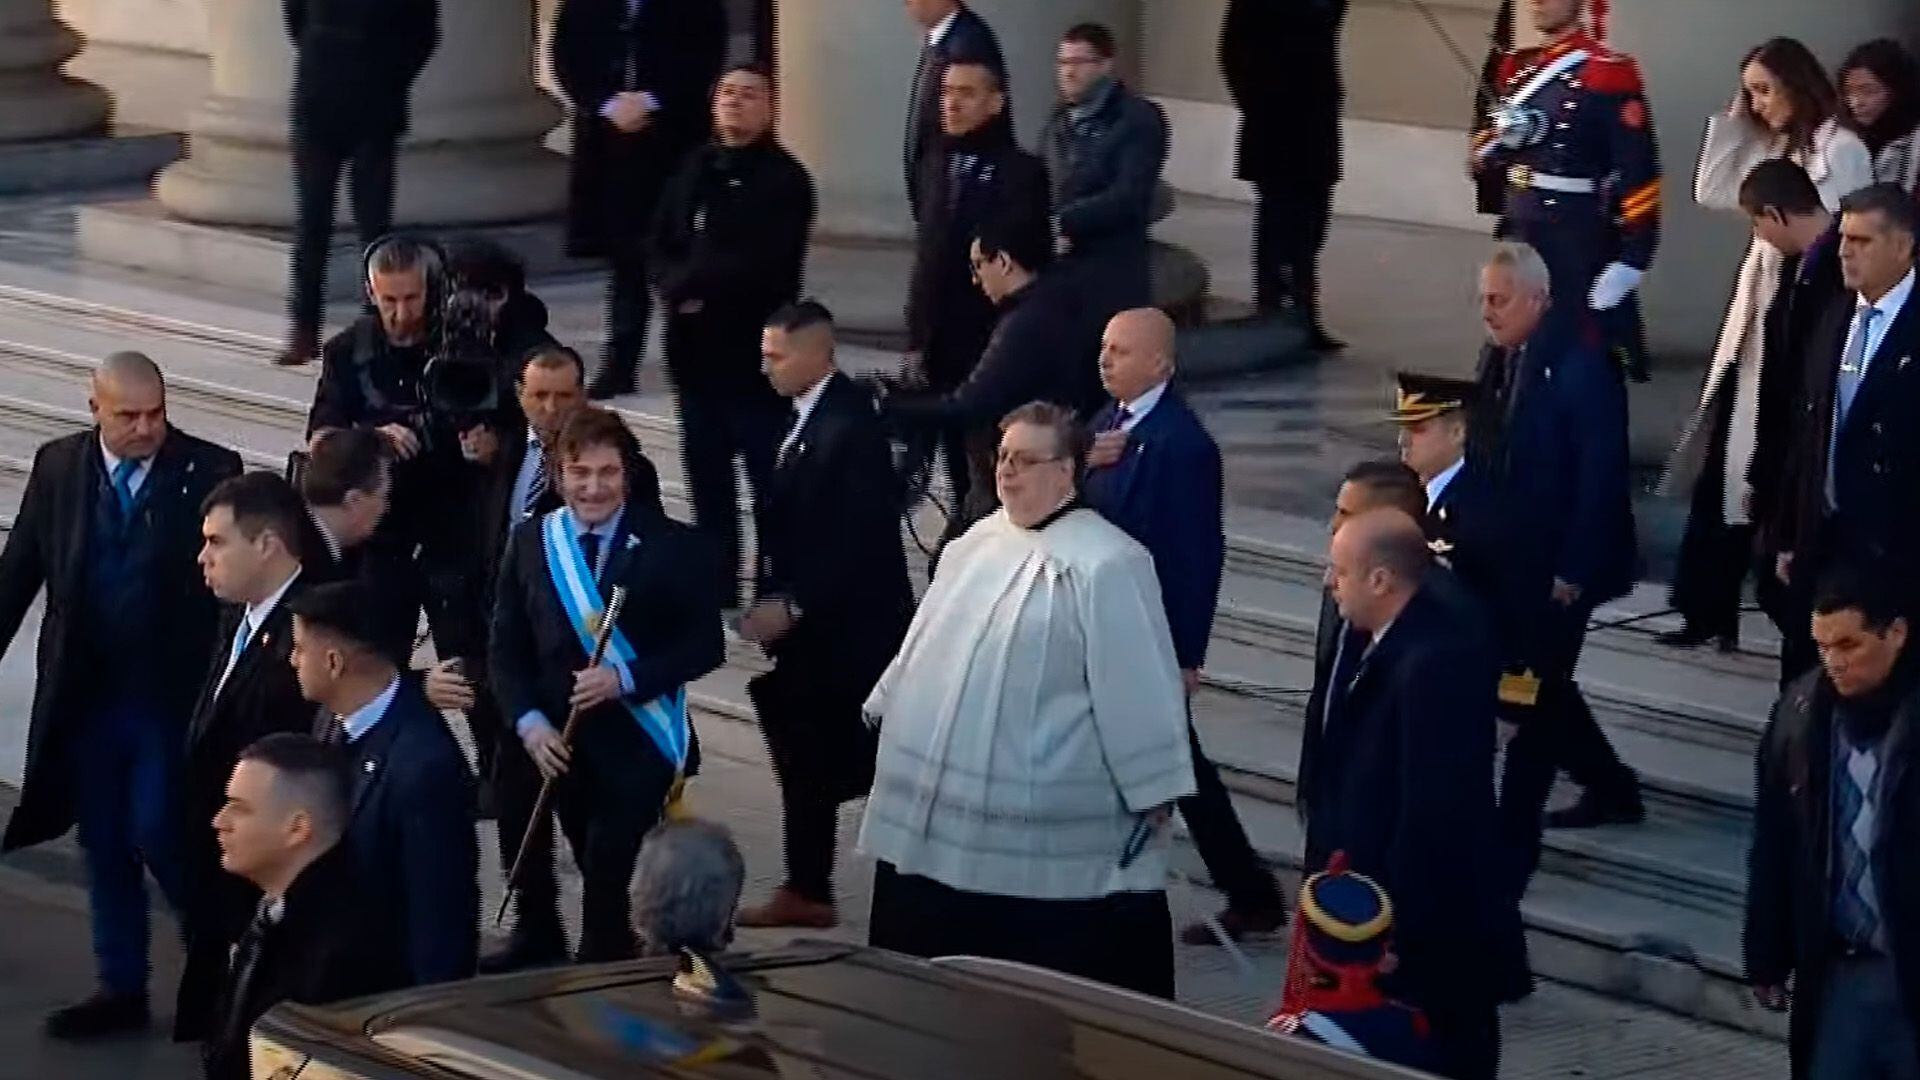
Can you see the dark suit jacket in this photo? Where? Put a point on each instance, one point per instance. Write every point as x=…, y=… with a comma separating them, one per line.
x=1805, y=294
x=832, y=546
x=1876, y=459
x=969, y=38
x=1282, y=67
x=1470, y=527
x=260, y=698
x=325, y=948
x=672, y=618
x=1166, y=493
x=948, y=318
x=389, y=575
x=412, y=835
x=674, y=50
x=1326, y=648
x=47, y=548
x=1552, y=434
x=1405, y=788
x=355, y=62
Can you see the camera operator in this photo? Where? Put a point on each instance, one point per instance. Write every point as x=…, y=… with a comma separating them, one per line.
x=728, y=248
x=517, y=318
x=1043, y=348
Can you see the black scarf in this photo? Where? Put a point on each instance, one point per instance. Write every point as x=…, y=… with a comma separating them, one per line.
x=1865, y=719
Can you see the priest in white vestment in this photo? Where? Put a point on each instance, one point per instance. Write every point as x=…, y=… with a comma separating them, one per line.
x=1032, y=738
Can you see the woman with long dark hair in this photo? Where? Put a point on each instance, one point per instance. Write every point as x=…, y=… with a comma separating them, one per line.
x=1785, y=108
x=1880, y=101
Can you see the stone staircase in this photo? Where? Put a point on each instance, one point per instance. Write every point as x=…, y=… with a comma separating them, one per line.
x=1650, y=913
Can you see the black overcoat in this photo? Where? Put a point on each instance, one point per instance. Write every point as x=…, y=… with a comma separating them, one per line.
x=1282, y=66
x=355, y=62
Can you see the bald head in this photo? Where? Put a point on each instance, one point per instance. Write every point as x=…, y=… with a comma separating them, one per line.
x=128, y=400
x=1136, y=354
x=1377, y=560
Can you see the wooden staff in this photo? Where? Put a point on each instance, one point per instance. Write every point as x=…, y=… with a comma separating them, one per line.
x=600, y=641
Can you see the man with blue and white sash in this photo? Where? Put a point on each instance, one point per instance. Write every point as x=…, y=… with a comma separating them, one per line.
x=633, y=742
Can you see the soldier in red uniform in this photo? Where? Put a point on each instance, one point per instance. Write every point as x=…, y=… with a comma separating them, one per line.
x=1572, y=134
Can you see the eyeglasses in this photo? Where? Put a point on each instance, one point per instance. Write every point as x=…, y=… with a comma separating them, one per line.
x=1021, y=462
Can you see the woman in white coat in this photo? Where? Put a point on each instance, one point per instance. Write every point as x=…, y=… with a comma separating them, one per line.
x=1880, y=98
x=1786, y=107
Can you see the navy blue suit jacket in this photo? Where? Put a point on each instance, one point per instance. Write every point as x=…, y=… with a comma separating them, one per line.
x=1166, y=493
x=412, y=835
x=968, y=39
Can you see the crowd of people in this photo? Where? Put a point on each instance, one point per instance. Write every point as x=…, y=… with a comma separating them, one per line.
x=228, y=700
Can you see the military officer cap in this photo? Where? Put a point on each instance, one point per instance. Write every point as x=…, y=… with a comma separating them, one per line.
x=1423, y=397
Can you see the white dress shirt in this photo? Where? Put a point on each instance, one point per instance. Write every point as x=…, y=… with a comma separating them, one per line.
x=140, y=471
x=250, y=622
x=803, y=407
x=1437, y=486
x=1889, y=307
x=362, y=719
x=939, y=31
x=1139, y=407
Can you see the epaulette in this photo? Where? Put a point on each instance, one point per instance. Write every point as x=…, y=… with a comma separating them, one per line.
x=1609, y=72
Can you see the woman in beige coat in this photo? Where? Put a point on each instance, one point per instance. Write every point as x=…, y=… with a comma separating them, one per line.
x=1785, y=107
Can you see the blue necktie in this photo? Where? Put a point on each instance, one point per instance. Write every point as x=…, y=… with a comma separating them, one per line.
x=1846, y=386
x=590, y=548
x=123, y=482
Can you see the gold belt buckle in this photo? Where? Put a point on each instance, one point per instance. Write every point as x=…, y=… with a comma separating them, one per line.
x=1520, y=176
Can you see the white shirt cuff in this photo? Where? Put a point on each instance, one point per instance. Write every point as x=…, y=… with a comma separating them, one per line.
x=533, y=718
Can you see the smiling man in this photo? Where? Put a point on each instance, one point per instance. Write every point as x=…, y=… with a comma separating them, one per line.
x=634, y=742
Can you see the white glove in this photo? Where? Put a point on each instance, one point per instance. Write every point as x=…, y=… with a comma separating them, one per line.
x=1613, y=285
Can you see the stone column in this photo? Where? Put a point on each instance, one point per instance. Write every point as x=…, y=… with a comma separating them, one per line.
x=36, y=100
x=846, y=68
x=473, y=153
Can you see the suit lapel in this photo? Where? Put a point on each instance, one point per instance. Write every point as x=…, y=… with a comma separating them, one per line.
x=370, y=752
x=230, y=616
x=1890, y=361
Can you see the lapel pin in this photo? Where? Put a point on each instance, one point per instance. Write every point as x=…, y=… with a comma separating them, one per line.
x=632, y=541
x=367, y=767
x=1903, y=362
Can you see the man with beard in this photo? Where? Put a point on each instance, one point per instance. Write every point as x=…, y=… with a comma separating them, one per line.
x=974, y=171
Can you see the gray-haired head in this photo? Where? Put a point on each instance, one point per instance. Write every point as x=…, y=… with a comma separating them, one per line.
x=686, y=887
x=404, y=254
x=1524, y=263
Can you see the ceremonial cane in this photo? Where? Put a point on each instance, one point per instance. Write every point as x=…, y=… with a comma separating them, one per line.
x=600, y=640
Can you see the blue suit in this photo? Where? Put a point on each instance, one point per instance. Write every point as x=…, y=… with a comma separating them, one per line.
x=1166, y=492
x=412, y=834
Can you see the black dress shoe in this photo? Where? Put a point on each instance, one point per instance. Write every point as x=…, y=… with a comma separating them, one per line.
x=99, y=1016
x=610, y=384
x=522, y=953
x=1691, y=637
x=1594, y=810
x=1320, y=341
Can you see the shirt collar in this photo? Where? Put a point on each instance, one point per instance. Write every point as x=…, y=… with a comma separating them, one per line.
x=804, y=405
x=113, y=460
x=257, y=613
x=361, y=720
x=1438, y=485
x=1890, y=304
x=939, y=32
x=1139, y=407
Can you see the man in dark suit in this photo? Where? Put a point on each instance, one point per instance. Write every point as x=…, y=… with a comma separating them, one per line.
x=973, y=172
x=410, y=819
x=1859, y=460
x=729, y=249
x=831, y=608
x=632, y=744
x=347, y=483
x=1042, y=349
x=1786, y=210
x=313, y=938
x=1552, y=431
x=1282, y=66
x=354, y=64
x=1465, y=521
x=251, y=559
x=954, y=33
x=1408, y=792
x=552, y=387
x=637, y=75
x=108, y=526
x=1155, y=472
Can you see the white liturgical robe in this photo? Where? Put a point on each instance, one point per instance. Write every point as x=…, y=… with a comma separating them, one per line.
x=1033, y=712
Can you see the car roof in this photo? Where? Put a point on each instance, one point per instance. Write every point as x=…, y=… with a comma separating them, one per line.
x=819, y=1010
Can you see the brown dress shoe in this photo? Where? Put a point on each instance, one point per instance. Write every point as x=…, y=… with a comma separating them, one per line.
x=1237, y=924
x=786, y=908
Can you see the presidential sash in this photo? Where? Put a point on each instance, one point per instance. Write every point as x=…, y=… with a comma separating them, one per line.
x=664, y=719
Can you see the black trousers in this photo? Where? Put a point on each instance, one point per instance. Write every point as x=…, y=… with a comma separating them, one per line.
x=1289, y=230
x=716, y=427
x=1465, y=1040
x=822, y=750
x=629, y=306
x=1714, y=556
x=317, y=164
x=1124, y=939
x=516, y=787
x=611, y=797
x=1557, y=733
x=1222, y=841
